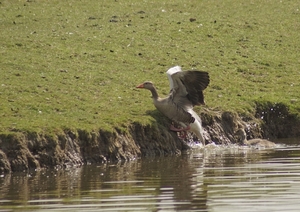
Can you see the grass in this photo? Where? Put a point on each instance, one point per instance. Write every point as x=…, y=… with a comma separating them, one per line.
x=75, y=64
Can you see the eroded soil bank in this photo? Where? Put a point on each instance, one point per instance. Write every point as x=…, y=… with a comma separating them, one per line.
x=24, y=151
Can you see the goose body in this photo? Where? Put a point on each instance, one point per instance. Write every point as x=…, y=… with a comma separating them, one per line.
x=186, y=91
x=254, y=142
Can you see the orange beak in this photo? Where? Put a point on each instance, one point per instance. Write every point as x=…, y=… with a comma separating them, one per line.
x=140, y=86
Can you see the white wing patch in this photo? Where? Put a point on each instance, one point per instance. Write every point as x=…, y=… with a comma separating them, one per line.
x=170, y=72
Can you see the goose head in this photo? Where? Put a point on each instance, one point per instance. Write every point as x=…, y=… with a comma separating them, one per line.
x=147, y=85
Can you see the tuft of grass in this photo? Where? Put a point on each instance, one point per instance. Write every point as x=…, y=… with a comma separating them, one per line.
x=75, y=64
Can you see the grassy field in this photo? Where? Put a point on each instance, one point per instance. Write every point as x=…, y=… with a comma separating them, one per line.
x=75, y=64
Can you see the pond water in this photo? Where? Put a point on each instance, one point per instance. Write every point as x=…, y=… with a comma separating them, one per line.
x=216, y=178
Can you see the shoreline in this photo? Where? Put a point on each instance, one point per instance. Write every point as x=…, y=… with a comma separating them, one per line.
x=24, y=151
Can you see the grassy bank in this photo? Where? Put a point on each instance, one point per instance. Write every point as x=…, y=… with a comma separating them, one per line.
x=75, y=64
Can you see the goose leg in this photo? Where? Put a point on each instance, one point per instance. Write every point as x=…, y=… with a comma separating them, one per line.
x=179, y=129
x=182, y=134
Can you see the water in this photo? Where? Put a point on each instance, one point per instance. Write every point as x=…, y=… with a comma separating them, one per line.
x=214, y=179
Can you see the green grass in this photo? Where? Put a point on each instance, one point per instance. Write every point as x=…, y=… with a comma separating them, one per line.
x=75, y=64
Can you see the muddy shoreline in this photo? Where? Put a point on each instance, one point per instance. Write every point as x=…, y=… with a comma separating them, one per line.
x=23, y=151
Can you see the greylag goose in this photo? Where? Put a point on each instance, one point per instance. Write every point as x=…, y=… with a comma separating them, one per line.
x=258, y=142
x=186, y=91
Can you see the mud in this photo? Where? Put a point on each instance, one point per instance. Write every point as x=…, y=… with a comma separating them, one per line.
x=23, y=151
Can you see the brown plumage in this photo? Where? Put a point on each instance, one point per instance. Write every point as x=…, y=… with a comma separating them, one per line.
x=195, y=82
x=242, y=138
x=186, y=91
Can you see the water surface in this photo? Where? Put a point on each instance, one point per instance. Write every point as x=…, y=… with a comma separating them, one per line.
x=212, y=179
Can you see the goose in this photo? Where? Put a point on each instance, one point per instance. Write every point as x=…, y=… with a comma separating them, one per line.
x=186, y=91
x=258, y=142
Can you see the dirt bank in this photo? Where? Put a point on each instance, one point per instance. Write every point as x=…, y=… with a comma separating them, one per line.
x=24, y=150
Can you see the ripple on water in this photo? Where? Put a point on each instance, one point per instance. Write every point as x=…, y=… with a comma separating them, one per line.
x=269, y=185
x=214, y=178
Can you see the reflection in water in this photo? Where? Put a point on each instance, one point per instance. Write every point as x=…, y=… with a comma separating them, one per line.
x=214, y=179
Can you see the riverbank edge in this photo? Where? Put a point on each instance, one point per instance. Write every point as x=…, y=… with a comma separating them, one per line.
x=24, y=151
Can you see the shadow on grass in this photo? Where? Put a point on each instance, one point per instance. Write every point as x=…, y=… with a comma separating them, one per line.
x=159, y=118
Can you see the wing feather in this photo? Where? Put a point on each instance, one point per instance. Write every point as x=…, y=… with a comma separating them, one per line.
x=186, y=91
x=195, y=82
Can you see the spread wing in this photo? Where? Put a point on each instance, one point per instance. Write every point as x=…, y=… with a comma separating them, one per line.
x=195, y=82
x=186, y=87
